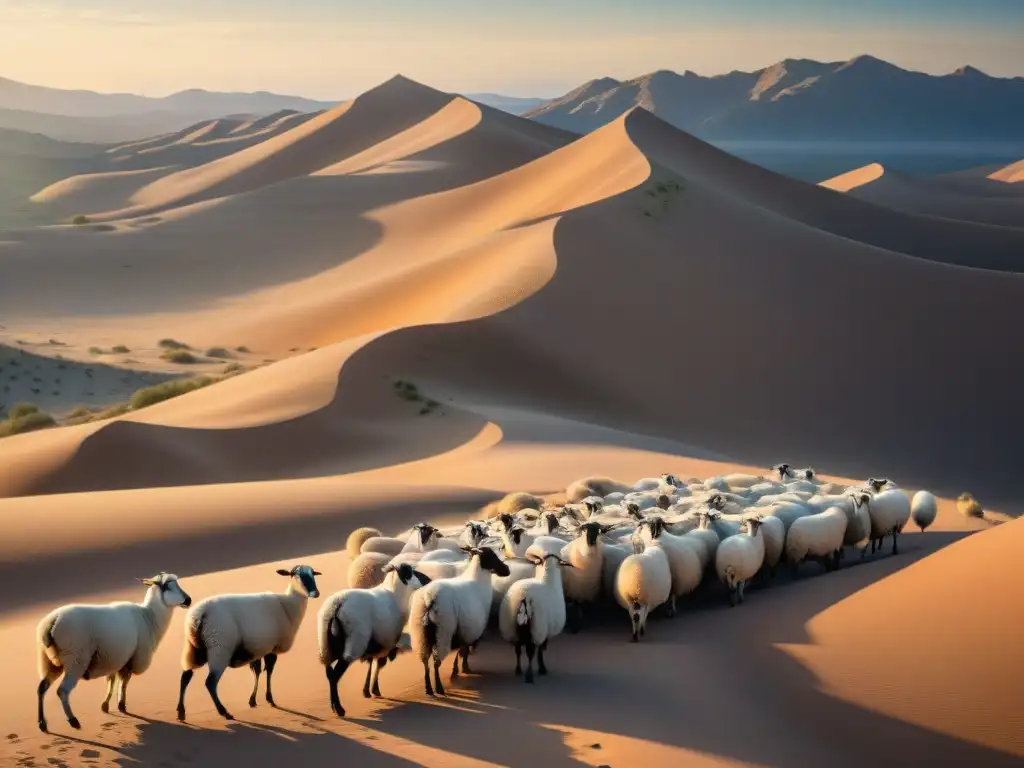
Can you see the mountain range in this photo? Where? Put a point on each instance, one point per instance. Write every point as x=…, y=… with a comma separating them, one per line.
x=864, y=99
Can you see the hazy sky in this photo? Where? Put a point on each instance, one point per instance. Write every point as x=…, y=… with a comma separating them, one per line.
x=337, y=48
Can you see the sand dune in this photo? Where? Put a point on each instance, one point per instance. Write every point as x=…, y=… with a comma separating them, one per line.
x=629, y=302
x=1011, y=174
x=928, y=196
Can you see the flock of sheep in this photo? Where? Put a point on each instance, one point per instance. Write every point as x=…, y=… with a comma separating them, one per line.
x=522, y=569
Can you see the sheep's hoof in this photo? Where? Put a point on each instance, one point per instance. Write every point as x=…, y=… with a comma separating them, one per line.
x=366, y=693
x=519, y=671
x=122, y=708
x=635, y=638
x=252, y=701
x=181, y=715
x=270, y=701
x=227, y=715
x=42, y=726
x=376, y=691
x=104, y=707
x=339, y=710
x=429, y=693
x=73, y=722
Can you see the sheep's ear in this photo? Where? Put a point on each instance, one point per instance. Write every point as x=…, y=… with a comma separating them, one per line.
x=317, y=573
x=283, y=572
x=148, y=582
x=386, y=569
x=424, y=579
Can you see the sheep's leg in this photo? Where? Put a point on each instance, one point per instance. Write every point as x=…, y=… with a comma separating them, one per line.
x=256, y=667
x=519, y=664
x=333, y=676
x=455, y=664
x=426, y=677
x=531, y=649
x=186, y=678
x=437, y=674
x=635, y=618
x=211, y=685
x=52, y=673
x=376, y=675
x=541, y=669
x=671, y=606
x=67, y=685
x=105, y=706
x=572, y=612
x=732, y=596
x=895, y=550
x=122, y=695
x=369, y=674
x=271, y=660
x=464, y=653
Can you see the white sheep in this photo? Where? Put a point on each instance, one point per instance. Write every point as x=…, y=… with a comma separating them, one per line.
x=533, y=611
x=594, y=486
x=356, y=539
x=642, y=583
x=518, y=540
x=453, y=609
x=470, y=534
x=114, y=641
x=773, y=531
x=738, y=480
x=236, y=630
x=657, y=483
x=684, y=558
x=923, y=509
x=786, y=511
x=614, y=556
x=365, y=624
x=423, y=537
x=817, y=537
x=582, y=582
x=889, y=511
x=705, y=536
x=367, y=570
x=739, y=558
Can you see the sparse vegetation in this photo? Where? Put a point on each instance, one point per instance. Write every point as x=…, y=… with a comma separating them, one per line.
x=233, y=368
x=428, y=406
x=659, y=195
x=79, y=412
x=172, y=344
x=120, y=349
x=407, y=390
x=95, y=351
x=16, y=425
x=167, y=390
x=179, y=356
x=20, y=410
x=217, y=352
x=80, y=219
x=243, y=350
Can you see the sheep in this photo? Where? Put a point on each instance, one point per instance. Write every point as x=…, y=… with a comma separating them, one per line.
x=642, y=583
x=657, y=483
x=704, y=535
x=383, y=545
x=784, y=472
x=739, y=558
x=115, y=641
x=684, y=560
x=356, y=539
x=878, y=484
x=858, y=522
x=724, y=528
x=533, y=611
x=238, y=629
x=737, y=480
x=968, y=506
x=519, y=569
x=517, y=541
x=365, y=624
x=367, y=570
x=614, y=555
x=773, y=531
x=889, y=511
x=453, y=613
x=423, y=537
x=786, y=511
x=817, y=537
x=594, y=486
x=582, y=583
x=470, y=534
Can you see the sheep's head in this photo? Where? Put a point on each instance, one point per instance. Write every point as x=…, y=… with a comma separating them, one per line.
x=426, y=532
x=713, y=515
x=860, y=498
x=551, y=522
x=716, y=501
x=477, y=531
x=489, y=560
x=592, y=530
x=633, y=510
x=878, y=483
x=302, y=579
x=664, y=502
x=516, y=534
x=753, y=524
x=808, y=473
x=593, y=506
x=783, y=470
x=672, y=480
x=171, y=592
x=655, y=525
x=507, y=520
x=405, y=573
x=537, y=559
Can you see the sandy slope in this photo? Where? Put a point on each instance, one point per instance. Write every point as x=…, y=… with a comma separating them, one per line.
x=929, y=196
x=629, y=303
x=1010, y=174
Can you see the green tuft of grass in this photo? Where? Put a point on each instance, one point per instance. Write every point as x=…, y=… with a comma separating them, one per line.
x=179, y=356
x=407, y=390
x=243, y=350
x=80, y=219
x=120, y=349
x=79, y=412
x=167, y=390
x=23, y=409
x=232, y=368
x=95, y=351
x=29, y=422
x=218, y=352
x=172, y=344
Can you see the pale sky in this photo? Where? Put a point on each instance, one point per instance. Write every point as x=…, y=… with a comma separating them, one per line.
x=334, y=49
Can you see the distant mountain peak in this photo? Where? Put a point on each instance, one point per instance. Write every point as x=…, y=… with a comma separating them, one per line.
x=968, y=71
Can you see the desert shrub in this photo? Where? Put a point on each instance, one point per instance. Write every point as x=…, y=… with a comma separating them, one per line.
x=179, y=356
x=243, y=350
x=231, y=368
x=172, y=344
x=79, y=220
x=160, y=392
x=28, y=422
x=79, y=412
x=407, y=390
x=120, y=349
x=218, y=352
x=115, y=410
x=95, y=351
x=23, y=409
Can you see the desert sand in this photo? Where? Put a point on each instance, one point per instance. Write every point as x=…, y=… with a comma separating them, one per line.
x=626, y=303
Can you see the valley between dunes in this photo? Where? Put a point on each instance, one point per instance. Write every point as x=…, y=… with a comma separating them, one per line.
x=629, y=302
